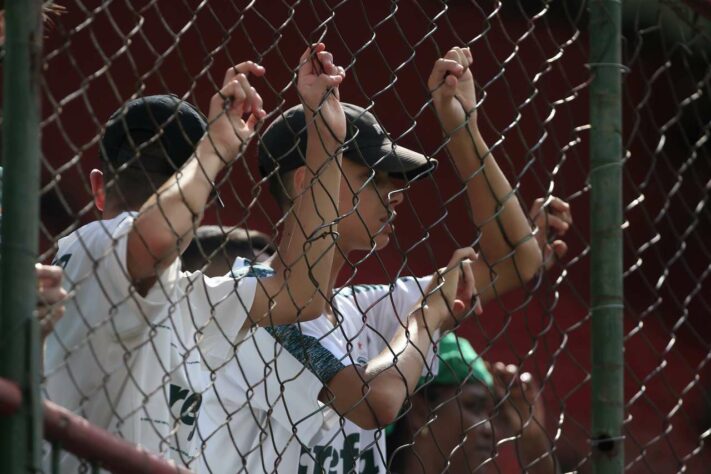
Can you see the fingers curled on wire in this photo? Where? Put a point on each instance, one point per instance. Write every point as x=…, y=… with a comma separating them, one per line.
x=50, y=297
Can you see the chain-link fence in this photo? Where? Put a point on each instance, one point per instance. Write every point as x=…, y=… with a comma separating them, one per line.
x=233, y=310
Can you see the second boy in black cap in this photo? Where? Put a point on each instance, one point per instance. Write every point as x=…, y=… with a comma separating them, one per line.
x=128, y=355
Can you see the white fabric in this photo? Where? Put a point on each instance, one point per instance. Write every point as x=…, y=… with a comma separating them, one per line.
x=130, y=364
x=369, y=316
x=263, y=405
x=262, y=408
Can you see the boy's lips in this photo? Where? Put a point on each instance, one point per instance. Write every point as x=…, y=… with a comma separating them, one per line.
x=388, y=226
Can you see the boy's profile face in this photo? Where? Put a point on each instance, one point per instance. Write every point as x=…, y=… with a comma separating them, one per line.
x=368, y=199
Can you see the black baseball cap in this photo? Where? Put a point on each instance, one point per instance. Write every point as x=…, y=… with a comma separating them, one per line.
x=177, y=124
x=283, y=145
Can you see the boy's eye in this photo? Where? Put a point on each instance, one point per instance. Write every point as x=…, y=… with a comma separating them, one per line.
x=381, y=179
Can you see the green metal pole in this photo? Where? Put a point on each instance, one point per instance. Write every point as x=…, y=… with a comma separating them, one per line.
x=21, y=434
x=606, y=236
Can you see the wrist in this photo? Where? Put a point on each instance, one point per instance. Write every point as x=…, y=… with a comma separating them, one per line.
x=210, y=157
x=432, y=316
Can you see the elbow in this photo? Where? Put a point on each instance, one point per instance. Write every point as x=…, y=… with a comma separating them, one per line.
x=382, y=409
x=531, y=258
x=387, y=415
x=312, y=309
x=146, y=249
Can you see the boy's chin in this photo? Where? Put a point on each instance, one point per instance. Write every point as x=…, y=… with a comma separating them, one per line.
x=367, y=244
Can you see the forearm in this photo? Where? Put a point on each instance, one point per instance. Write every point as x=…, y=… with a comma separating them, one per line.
x=392, y=376
x=409, y=347
x=316, y=214
x=384, y=385
x=506, y=242
x=165, y=223
x=304, y=265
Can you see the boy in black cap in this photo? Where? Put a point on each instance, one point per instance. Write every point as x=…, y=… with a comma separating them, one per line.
x=130, y=352
x=384, y=331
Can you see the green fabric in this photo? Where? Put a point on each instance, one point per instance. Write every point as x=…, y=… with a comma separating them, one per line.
x=459, y=362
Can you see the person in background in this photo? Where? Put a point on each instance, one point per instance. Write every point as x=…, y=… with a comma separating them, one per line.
x=214, y=249
x=451, y=423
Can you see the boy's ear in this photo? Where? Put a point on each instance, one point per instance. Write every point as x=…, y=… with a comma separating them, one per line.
x=96, y=178
x=299, y=180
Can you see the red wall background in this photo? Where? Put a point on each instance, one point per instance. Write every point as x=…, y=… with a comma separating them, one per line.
x=530, y=66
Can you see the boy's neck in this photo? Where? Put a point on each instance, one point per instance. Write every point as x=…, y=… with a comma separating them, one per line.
x=338, y=261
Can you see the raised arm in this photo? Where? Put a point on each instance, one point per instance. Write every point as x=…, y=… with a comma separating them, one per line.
x=165, y=224
x=506, y=244
x=522, y=415
x=372, y=396
x=302, y=272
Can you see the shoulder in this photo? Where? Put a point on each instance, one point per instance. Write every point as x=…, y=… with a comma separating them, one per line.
x=362, y=290
x=406, y=284
x=96, y=238
x=322, y=355
x=108, y=228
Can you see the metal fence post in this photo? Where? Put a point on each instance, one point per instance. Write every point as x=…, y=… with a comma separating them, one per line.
x=21, y=434
x=606, y=236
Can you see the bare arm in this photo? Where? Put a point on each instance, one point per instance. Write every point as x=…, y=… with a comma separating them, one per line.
x=372, y=396
x=523, y=416
x=304, y=269
x=552, y=217
x=165, y=223
x=507, y=243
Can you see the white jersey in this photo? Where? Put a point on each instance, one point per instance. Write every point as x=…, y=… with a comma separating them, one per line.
x=263, y=405
x=369, y=316
x=130, y=363
x=262, y=408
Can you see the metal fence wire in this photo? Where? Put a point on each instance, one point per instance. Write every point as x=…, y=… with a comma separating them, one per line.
x=331, y=236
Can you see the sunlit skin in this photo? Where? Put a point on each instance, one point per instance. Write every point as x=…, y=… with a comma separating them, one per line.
x=367, y=202
x=368, y=199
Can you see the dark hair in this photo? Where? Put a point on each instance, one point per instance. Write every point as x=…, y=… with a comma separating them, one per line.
x=400, y=438
x=213, y=242
x=130, y=185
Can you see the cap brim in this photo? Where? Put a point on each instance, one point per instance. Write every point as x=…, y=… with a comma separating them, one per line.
x=397, y=161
